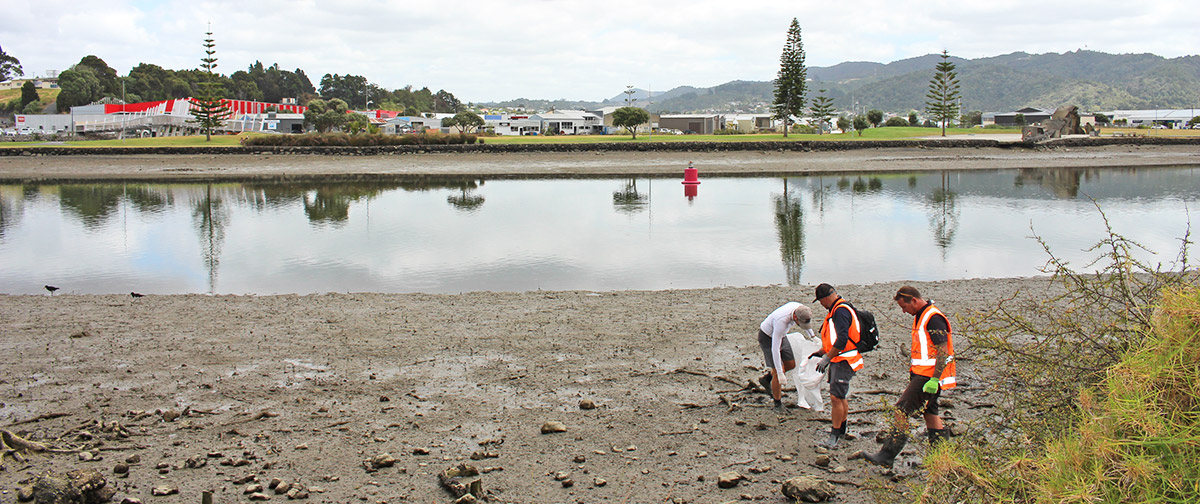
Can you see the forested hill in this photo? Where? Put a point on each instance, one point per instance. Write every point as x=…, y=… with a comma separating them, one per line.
x=1094, y=81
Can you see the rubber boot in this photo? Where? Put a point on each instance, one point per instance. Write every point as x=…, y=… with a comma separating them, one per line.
x=891, y=448
x=835, y=435
x=936, y=435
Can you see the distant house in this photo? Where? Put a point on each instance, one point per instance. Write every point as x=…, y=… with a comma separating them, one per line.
x=749, y=123
x=570, y=122
x=704, y=124
x=1171, y=118
x=1032, y=116
x=512, y=125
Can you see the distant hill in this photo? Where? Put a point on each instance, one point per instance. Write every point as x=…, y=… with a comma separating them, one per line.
x=1092, y=80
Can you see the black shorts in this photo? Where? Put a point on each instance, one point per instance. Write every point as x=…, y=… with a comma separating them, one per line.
x=785, y=350
x=915, y=401
x=840, y=374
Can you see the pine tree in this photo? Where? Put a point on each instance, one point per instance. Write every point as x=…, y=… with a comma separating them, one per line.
x=790, y=85
x=943, y=92
x=822, y=108
x=208, y=111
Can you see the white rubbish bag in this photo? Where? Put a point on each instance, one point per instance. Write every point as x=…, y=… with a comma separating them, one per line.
x=805, y=375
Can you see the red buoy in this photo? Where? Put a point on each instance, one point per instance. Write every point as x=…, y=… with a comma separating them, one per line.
x=691, y=175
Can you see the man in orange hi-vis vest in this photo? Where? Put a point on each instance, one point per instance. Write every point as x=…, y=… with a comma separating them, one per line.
x=839, y=354
x=931, y=370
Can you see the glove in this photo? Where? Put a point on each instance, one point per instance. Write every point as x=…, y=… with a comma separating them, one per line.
x=931, y=386
x=818, y=353
x=824, y=364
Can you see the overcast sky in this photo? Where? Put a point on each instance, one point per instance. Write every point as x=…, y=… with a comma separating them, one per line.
x=493, y=50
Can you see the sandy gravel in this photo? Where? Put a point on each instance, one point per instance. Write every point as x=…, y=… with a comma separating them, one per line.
x=585, y=164
x=305, y=388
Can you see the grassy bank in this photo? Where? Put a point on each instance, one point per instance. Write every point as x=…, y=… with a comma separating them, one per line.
x=1136, y=436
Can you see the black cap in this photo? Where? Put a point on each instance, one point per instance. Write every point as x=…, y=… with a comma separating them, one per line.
x=823, y=290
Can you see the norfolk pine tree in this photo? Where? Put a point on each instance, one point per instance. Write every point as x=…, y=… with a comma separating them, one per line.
x=943, y=92
x=790, y=85
x=207, y=109
x=822, y=108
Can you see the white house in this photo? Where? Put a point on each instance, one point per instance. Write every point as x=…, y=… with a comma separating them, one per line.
x=570, y=122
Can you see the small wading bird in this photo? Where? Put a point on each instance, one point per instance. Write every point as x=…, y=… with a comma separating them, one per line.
x=136, y=295
x=51, y=288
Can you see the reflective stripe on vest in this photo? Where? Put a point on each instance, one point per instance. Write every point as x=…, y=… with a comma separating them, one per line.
x=924, y=353
x=829, y=332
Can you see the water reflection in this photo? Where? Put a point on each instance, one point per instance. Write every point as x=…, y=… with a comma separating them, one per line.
x=628, y=199
x=407, y=234
x=789, y=224
x=943, y=214
x=210, y=217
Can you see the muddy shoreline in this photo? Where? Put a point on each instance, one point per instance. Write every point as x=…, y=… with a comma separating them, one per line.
x=237, y=167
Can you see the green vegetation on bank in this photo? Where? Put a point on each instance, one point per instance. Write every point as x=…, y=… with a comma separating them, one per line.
x=1097, y=383
x=1136, y=436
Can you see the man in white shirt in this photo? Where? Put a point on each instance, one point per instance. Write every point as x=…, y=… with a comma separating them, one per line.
x=772, y=338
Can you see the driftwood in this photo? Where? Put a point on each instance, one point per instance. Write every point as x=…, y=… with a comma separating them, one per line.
x=12, y=445
x=39, y=418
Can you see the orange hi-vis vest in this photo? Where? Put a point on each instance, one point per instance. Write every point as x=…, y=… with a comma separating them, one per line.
x=924, y=354
x=849, y=354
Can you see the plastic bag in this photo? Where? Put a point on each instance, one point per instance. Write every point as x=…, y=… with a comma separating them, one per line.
x=806, y=377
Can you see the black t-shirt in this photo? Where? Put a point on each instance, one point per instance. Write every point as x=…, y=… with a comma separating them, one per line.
x=841, y=321
x=937, y=328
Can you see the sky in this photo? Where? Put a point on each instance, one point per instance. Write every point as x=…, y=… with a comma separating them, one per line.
x=495, y=50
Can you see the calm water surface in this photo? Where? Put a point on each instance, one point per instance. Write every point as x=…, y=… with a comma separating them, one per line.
x=458, y=235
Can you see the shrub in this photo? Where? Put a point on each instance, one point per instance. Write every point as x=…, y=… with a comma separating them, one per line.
x=896, y=121
x=804, y=129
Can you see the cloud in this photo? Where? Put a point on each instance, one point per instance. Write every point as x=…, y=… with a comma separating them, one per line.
x=487, y=50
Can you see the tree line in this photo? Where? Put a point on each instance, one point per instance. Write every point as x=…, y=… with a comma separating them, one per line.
x=92, y=80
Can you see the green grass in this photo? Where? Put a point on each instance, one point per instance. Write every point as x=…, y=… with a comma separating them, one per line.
x=887, y=133
x=174, y=141
x=45, y=95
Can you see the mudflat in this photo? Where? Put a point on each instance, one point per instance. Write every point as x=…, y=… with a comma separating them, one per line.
x=598, y=163
x=216, y=393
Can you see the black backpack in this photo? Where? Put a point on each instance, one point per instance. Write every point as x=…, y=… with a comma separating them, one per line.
x=868, y=331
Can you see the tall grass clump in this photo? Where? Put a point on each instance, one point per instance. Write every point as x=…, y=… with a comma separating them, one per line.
x=1100, y=381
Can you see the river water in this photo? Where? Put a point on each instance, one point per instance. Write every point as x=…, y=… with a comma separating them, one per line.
x=449, y=235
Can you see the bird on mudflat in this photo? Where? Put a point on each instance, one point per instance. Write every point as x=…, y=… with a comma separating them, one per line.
x=51, y=288
x=136, y=294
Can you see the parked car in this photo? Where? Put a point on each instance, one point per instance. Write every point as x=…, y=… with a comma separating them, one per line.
x=10, y=132
x=26, y=131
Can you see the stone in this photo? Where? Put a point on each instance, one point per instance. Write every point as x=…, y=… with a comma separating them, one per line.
x=599, y=482
x=957, y=429
x=131, y=500
x=133, y=459
x=553, y=426
x=383, y=460
x=253, y=488
x=729, y=479
x=586, y=404
x=162, y=490
x=822, y=460
x=466, y=499
x=121, y=469
x=283, y=488
x=86, y=456
x=579, y=459
x=420, y=451
x=560, y=475
x=25, y=494
x=809, y=489
x=274, y=482
x=839, y=469
x=259, y=497
x=297, y=493
x=568, y=483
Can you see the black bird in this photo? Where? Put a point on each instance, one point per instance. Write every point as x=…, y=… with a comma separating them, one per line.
x=136, y=295
x=51, y=288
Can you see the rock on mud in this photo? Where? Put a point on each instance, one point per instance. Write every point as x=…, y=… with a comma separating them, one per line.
x=809, y=489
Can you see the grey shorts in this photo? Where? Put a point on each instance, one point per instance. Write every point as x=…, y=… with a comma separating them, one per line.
x=840, y=374
x=785, y=349
x=914, y=401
